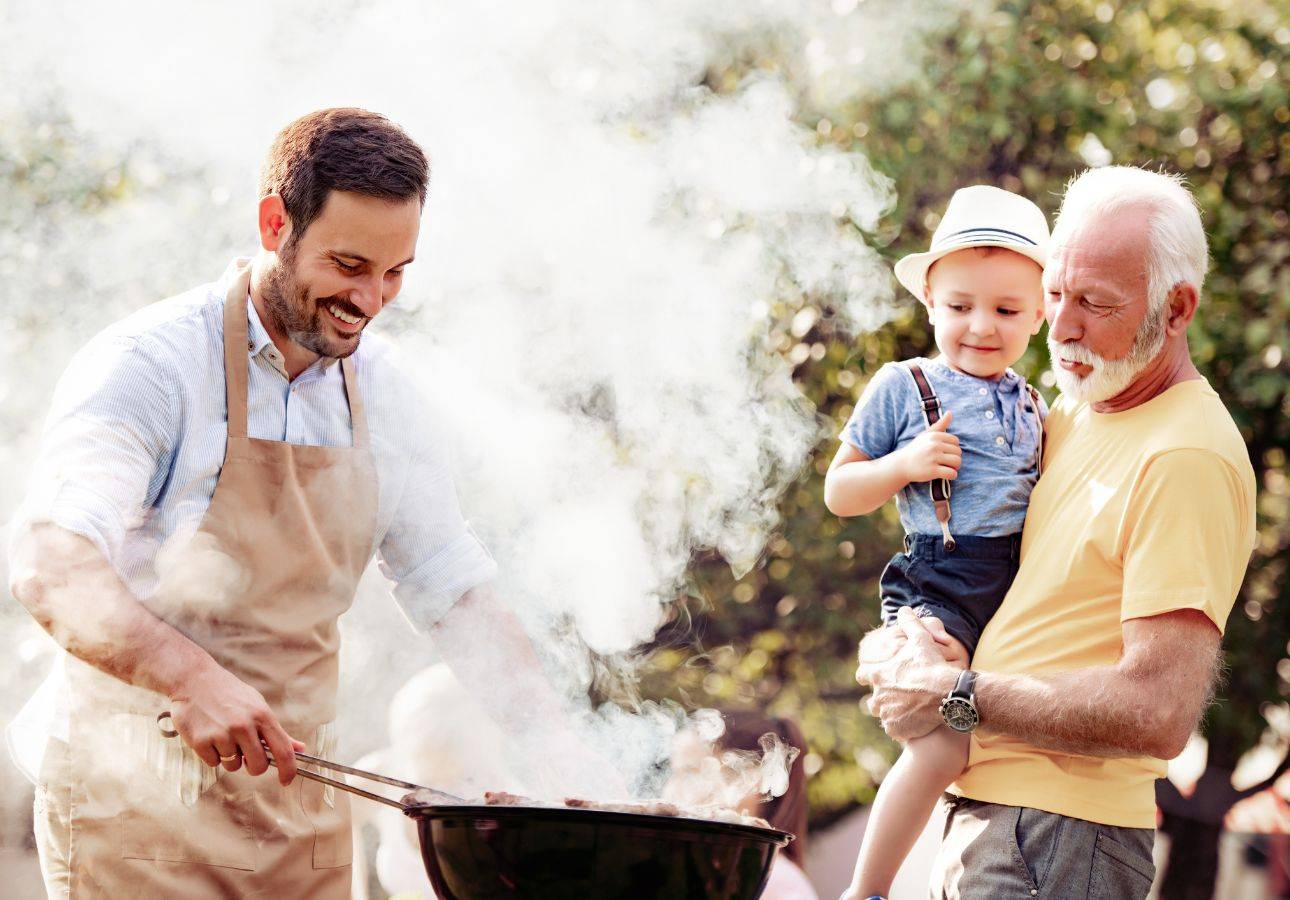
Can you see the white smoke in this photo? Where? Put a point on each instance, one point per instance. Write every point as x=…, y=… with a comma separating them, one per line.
x=701, y=774
x=606, y=248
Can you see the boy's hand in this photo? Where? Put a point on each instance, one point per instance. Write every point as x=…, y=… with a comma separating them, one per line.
x=933, y=454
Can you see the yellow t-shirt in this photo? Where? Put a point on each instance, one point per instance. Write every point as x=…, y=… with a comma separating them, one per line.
x=1137, y=513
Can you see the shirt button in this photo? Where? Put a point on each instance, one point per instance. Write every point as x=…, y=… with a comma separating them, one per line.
x=982, y=391
x=989, y=414
x=999, y=441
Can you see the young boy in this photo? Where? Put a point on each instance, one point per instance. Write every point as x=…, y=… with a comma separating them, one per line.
x=957, y=439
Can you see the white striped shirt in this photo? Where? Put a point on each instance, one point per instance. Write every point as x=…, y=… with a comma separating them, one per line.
x=136, y=435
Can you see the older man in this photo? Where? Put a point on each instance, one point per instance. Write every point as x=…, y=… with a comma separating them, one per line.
x=1103, y=655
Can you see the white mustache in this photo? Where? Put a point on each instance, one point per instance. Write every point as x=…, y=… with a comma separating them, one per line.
x=1076, y=353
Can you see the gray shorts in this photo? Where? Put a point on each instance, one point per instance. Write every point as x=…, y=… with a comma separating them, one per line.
x=992, y=851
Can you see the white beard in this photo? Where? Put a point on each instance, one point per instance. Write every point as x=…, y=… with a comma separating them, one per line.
x=1109, y=377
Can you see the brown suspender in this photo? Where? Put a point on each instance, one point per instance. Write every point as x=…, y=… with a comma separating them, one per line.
x=940, y=487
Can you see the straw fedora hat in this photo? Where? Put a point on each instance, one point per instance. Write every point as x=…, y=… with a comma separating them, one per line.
x=979, y=216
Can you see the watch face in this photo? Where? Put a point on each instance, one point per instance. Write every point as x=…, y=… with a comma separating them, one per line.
x=959, y=714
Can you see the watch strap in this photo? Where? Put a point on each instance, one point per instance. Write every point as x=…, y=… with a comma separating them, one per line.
x=966, y=685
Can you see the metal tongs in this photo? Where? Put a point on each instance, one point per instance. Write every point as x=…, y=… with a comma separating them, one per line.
x=437, y=797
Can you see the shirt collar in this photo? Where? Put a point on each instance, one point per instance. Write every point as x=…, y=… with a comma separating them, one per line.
x=257, y=336
x=258, y=340
x=1008, y=383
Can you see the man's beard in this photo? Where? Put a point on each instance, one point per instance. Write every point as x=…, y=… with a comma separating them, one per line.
x=301, y=319
x=1109, y=377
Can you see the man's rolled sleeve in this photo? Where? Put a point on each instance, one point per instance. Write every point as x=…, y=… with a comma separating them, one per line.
x=429, y=550
x=105, y=448
x=1188, y=534
x=427, y=592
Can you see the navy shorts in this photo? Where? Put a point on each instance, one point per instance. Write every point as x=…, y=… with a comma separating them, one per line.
x=962, y=588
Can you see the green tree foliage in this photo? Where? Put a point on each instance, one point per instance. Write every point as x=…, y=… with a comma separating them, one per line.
x=1023, y=96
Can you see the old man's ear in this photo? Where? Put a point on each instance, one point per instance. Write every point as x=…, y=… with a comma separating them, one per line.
x=1182, y=302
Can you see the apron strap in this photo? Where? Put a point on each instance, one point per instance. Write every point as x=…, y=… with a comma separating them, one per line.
x=357, y=415
x=938, y=487
x=237, y=363
x=236, y=360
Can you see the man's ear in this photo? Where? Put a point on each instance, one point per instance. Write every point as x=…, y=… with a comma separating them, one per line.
x=1182, y=302
x=273, y=222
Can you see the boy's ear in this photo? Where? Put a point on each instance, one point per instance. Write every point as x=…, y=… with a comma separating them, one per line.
x=1039, y=319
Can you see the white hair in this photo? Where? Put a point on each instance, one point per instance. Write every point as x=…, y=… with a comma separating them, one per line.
x=1176, y=247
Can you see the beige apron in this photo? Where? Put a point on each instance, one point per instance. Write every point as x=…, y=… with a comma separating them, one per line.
x=260, y=586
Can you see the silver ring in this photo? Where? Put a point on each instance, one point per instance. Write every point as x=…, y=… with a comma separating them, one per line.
x=228, y=758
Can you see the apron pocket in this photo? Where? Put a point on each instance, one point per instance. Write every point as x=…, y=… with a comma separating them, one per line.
x=210, y=833
x=333, y=837
x=326, y=808
x=172, y=807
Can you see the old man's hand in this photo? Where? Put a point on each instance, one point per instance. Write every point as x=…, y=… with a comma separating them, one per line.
x=907, y=669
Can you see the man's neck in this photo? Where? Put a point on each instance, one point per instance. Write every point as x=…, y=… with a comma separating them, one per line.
x=1171, y=366
x=295, y=359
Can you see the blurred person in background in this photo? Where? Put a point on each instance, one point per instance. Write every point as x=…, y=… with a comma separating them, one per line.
x=439, y=735
x=787, y=812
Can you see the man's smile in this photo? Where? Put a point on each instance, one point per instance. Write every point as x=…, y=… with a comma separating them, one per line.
x=344, y=320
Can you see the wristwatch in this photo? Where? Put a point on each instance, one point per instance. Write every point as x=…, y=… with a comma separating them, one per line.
x=958, y=709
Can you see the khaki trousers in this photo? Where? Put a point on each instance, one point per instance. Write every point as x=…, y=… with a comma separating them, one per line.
x=992, y=851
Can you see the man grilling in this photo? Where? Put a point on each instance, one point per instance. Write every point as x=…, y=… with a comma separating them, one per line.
x=210, y=488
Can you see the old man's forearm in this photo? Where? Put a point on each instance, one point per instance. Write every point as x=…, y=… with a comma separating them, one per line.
x=71, y=590
x=1145, y=705
x=1090, y=713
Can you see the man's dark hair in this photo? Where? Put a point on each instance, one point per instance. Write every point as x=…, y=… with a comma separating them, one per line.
x=342, y=149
